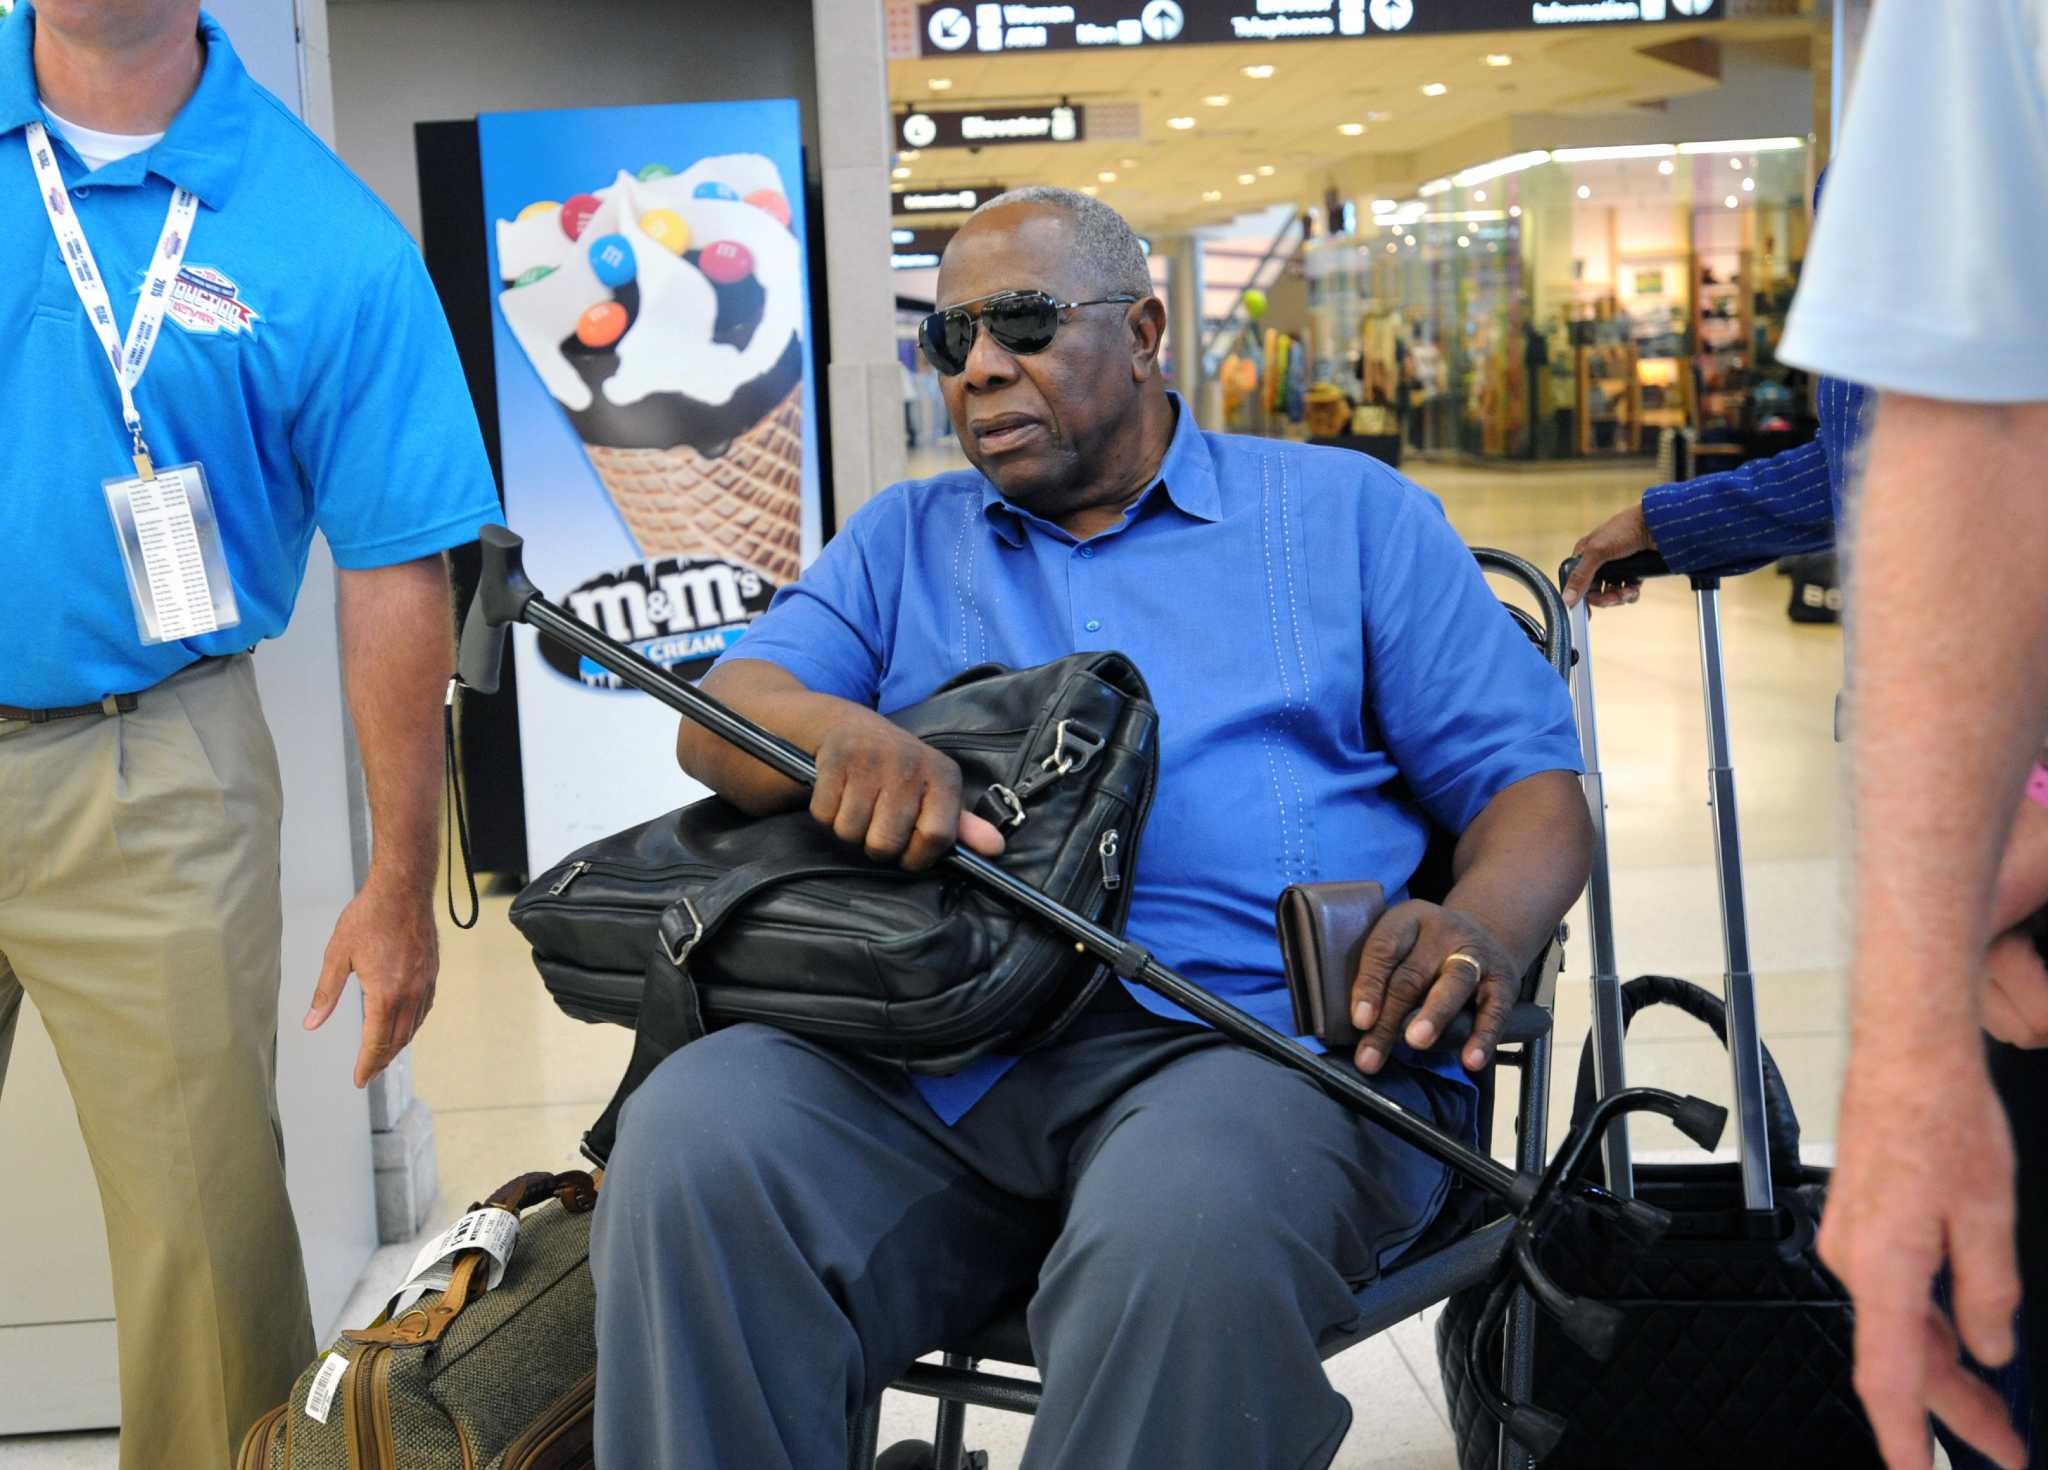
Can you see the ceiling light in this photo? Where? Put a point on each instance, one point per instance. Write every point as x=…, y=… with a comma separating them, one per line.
x=1183, y=123
x=1434, y=187
x=1385, y=206
x=1499, y=58
x=1731, y=201
x=1258, y=73
x=1463, y=241
x=1618, y=150
x=1514, y=163
x=1265, y=170
x=1090, y=190
x=1409, y=238
x=1744, y=145
x=1247, y=178
x=1434, y=89
x=1736, y=164
x=1210, y=196
x=1479, y=196
x=1749, y=186
x=1585, y=191
x=1351, y=130
x=1108, y=176
x=1392, y=247
x=940, y=84
x=1514, y=211
x=1218, y=99
x=1127, y=163
x=1666, y=166
x=901, y=173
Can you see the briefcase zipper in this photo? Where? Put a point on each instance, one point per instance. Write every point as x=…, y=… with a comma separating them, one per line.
x=367, y=1420
x=1112, y=862
x=569, y=875
x=568, y=1411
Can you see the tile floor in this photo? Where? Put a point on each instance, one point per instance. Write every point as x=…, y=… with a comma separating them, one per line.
x=513, y=1083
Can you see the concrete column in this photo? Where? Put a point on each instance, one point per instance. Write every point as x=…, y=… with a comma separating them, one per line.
x=855, y=147
x=1184, y=322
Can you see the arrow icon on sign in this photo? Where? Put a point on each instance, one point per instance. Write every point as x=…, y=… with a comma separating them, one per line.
x=1162, y=20
x=950, y=28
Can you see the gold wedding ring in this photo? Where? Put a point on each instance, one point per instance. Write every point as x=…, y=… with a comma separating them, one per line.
x=1478, y=970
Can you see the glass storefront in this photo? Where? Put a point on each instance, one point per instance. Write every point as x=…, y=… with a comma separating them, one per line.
x=1576, y=303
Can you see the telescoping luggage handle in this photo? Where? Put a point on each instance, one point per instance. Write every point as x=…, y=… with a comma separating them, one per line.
x=505, y=596
x=1745, y=1045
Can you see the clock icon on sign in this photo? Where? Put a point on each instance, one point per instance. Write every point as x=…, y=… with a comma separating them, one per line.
x=950, y=28
x=1392, y=15
x=919, y=131
x=1162, y=20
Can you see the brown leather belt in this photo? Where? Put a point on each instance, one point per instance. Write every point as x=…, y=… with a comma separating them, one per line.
x=112, y=704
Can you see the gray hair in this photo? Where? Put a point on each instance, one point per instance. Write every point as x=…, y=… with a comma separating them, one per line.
x=1103, y=238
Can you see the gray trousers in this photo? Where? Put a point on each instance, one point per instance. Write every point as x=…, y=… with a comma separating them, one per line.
x=784, y=1229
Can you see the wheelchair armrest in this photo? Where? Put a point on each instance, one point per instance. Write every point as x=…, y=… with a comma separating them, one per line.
x=1526, y=1022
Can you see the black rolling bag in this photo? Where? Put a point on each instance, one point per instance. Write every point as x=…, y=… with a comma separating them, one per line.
x=1734, y=1347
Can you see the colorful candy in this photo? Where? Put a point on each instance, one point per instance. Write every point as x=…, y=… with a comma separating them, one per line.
x=576, y=214
x=602, y=325
x=538, y=273
x=772, y=201
x=611, y=260
x=726, y=263
x=539, y=206
x=666, y=228
x=655, y=171
x=713, y=190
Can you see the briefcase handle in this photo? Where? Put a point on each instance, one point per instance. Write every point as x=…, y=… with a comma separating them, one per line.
x=1704, y=1006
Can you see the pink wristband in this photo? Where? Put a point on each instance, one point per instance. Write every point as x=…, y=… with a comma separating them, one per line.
x=2037, y=785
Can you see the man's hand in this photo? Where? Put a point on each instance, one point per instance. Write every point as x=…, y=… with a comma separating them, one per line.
x=1925, y=1172
x=2016, y=1000
x=387, y=939
x=897, y=798
x=1622, y=534
x=1420, y=967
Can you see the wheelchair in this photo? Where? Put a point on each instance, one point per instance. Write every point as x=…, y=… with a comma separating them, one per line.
x=1460, y=1248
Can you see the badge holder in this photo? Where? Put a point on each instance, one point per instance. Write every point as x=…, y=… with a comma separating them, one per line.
x=178, y=582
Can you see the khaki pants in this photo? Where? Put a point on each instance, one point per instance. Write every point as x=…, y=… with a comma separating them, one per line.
x=139, y=910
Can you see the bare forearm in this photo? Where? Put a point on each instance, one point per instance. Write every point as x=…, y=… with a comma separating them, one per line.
x=1949, y=670
x=1521, y=864
x=397, y=651
x=773, y=699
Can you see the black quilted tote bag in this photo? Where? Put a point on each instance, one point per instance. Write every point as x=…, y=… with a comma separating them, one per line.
x=1735, y=1348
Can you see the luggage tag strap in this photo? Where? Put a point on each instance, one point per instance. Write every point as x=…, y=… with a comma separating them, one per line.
x=1073, y=746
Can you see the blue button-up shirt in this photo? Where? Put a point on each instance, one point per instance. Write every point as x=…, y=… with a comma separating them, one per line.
x=1332, y=673
x=305, y=363
x=1786, y=505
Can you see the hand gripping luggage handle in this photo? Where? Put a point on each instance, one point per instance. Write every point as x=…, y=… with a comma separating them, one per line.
x=504, y=596
x=1704, y=1006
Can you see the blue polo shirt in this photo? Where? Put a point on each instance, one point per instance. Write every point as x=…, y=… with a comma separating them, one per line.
x=308, y=368
x=1333, y=675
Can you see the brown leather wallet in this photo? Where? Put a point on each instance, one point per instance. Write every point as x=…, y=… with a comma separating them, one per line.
x=1322, y=929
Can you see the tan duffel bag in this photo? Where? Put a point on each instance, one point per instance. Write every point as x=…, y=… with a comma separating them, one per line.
x=473, y=1375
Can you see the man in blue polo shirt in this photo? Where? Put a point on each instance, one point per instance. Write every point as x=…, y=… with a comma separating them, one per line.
x=784, y=1228
x=222, y=343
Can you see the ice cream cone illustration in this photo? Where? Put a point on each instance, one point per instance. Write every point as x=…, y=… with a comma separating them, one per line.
x=664, y=312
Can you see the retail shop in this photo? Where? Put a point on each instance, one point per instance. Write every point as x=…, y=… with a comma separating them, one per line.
x=1571, y=303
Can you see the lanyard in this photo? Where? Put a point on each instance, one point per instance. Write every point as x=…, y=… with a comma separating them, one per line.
x=129, y=360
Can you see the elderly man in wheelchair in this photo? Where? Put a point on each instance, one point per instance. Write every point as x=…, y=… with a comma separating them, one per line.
x=785, y=1228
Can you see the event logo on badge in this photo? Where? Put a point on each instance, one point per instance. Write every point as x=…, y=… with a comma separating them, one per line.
x=205, y=302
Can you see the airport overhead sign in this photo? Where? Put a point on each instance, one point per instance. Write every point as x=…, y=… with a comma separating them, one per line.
x=912, y=250
x=953, y=27
x=957, y=199
x=983, y=127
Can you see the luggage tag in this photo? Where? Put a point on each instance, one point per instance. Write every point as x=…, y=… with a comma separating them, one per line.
x=178, y=584
x=490, y=1229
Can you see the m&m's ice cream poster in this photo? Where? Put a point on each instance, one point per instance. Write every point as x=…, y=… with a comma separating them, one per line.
x=655, y=402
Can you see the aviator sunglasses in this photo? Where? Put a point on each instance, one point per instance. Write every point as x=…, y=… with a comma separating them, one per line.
x=1023, y=322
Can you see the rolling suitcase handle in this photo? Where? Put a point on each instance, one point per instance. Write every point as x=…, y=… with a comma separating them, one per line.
x=1745, y=1046
x=505, y=596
